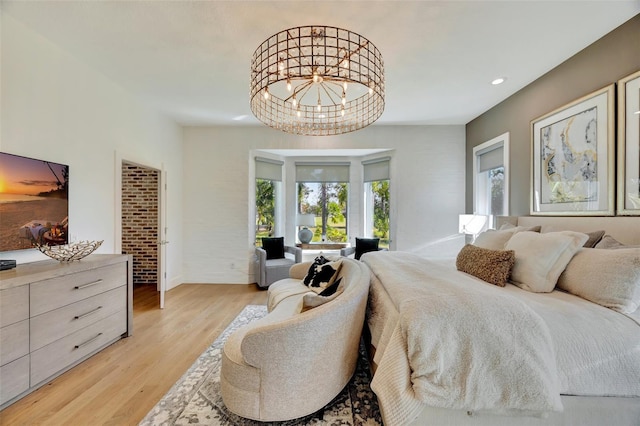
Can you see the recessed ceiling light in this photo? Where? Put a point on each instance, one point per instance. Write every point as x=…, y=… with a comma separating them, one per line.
x=498, y=80
x=240, y=117
x=637, y=112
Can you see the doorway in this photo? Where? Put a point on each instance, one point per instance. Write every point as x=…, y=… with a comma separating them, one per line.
x=141, y=228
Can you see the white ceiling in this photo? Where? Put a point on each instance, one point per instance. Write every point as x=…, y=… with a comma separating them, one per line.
x=190, y=59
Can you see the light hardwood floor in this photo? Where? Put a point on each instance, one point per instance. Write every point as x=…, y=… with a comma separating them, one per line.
x=119, y=385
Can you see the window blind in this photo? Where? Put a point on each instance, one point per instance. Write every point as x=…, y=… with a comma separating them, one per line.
x=491, y=159
x=377, y=169
x=268, y=169
x=322, y=172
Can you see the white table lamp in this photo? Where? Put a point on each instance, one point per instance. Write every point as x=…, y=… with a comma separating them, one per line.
x=305, y=220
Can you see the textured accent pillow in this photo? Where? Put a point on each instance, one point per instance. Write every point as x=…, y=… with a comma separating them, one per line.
x=594, y=238
x=496, y=240
x=492, y=266
x=312, y=300
x=318, y=261
x=324, y=276
x=541, y=258
x=610, y=278
x=365, y=245
x=274, y=246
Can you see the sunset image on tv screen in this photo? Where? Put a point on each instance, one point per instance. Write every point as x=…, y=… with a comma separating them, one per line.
x=34, y=202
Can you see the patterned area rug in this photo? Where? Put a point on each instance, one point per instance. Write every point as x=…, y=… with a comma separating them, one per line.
x=195, y=398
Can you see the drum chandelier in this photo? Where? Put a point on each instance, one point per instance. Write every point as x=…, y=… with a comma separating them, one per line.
x=317, y=80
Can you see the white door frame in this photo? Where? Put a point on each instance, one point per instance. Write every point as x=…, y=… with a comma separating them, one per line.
x=162, y=213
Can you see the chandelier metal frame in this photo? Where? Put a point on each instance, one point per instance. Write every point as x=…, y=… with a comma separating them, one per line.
x=318, y=65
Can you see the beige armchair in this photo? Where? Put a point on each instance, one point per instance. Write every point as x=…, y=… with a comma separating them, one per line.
x=290, y=364
x=269, y=271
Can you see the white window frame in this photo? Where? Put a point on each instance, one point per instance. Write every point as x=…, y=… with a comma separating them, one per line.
x=383, y=173
x=278, y=180
x=501, y=141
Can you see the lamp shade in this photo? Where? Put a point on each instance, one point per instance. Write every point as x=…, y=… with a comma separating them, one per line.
x=306, y=220
x=472, y=224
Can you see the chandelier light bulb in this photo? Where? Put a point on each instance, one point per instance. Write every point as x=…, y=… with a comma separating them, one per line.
x=344, y=99
x=266, y=93
x=342, y=112
x=315, y=77
x=298, y=113
x=288, y=84
x=371, y=90
x=294, y=100
x=319, y=105
x=344, y=86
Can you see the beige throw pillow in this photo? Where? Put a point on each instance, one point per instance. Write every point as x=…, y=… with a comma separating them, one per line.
x=312, y=300
x=541, y=258
x=492, y=266
x=610, y=278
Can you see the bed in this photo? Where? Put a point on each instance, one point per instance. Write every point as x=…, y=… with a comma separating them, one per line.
x=451, y=349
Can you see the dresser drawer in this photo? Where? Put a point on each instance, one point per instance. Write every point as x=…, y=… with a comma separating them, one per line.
x=14, y=378
x=56, y=292
x=14, y=305
x=14, y=341
x=56, y=356
x=54, y=325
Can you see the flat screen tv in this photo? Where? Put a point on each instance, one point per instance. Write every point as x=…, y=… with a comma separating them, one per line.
x=34, y=202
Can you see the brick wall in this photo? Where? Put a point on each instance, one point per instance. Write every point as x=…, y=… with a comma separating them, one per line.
x=140, y=221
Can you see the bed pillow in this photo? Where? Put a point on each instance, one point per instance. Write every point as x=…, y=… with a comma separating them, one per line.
x=492, y=266
x=510, y=226
x=610, y=278
x=608, y=242
x=496, y=240
x=313, y=300
x=594, y=238
x=541, y=258
x=274, y=246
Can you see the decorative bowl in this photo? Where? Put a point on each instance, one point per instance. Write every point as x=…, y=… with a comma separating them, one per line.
x=70, y=252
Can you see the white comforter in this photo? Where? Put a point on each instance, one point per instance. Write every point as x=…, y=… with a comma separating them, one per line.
x=457, y=343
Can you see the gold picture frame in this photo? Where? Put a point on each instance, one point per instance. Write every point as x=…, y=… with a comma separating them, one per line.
x=628, y=145
x=573, y=158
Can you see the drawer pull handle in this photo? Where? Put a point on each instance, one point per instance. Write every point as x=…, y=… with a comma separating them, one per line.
x=88, y=341
x=88, y=313
x=80, y=287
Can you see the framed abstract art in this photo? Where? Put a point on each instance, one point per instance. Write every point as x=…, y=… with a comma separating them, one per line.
x=573, y=158
x=629, y=145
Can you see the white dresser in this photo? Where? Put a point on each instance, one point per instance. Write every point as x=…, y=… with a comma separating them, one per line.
x=55, y=315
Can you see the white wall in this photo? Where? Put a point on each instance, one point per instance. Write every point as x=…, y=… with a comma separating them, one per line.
x=427, y=175
x=55, y=107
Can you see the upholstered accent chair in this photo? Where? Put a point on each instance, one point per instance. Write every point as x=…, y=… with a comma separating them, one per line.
x=273, y=260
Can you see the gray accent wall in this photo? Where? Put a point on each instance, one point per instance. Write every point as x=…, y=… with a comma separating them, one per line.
x=609, y=59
